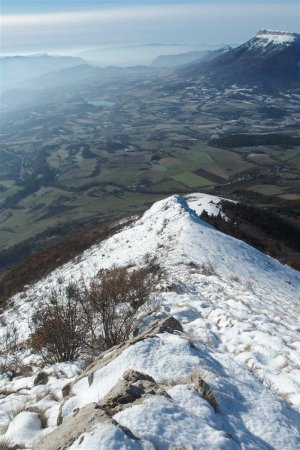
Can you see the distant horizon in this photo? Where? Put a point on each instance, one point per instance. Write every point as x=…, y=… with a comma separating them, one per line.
x=69, y=27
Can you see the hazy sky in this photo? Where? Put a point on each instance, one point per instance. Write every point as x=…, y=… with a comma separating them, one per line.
x=67, y=26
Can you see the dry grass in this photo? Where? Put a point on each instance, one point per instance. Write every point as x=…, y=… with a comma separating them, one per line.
x=56, y=396
x=6, y=444
x=17, y=409
x=257, y=372
x=204, y=389
x=23, y=408
x=207, y=269
x=42, y=415
x=4, y=391
x=43, y=394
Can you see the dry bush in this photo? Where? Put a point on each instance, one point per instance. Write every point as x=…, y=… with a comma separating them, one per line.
x=9, y=361
x=115, y=297
x=59, y=329
x=81, y=320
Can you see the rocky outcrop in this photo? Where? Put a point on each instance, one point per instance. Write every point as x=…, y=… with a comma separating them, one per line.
x=134, y=387
x=83, y=421
x=169, y=325
x=41, y=378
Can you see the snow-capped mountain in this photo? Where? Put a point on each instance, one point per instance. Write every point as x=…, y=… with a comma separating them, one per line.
x=215, y=365
x=270, y=59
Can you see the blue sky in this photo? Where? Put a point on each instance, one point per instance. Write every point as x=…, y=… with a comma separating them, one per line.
x=30, y=26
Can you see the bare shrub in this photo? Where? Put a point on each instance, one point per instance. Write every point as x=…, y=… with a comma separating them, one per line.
x=59, y=329
x=115, y=297
x=9, y=361
x=81, y=320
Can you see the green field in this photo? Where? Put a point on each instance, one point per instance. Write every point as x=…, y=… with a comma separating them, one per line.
x=191, y=180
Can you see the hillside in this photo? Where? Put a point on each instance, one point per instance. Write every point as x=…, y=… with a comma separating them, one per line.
x=219, y=336
x=269, y=58
x=16, y=70
x=187, y=58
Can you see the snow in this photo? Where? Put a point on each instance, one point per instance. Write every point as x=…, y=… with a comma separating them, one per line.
x=24, y=429
x=167, y=424
x=240, y=313
x=108, y=437
x=165, y=357
x=276, y=37
x=209, y=203
x=271, y=41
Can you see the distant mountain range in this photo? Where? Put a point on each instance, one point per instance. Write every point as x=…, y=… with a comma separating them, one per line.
x=19, y=69
x=271, y=58
x=181, y=59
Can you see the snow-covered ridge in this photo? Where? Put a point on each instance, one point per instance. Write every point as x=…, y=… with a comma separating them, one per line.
x=239, y=312
x=276, y=37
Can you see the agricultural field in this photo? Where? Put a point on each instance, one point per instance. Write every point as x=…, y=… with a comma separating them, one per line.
x=109, y=149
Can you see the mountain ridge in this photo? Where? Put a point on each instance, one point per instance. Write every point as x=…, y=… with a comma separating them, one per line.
x=232, y=343
x=271, y=58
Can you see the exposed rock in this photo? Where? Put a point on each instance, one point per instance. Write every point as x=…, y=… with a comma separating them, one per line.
x=41, y=378
x=134, y=386
x=169, y=325
x=82, y=421
x=177, y=448
x=204, y=389
x=66, y=390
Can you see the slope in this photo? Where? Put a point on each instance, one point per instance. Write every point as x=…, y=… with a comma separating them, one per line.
x=270, y=59
x=234, y=346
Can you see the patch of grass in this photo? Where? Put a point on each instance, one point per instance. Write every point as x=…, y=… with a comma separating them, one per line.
x=257, y=372
x=267, y=189
x=191, y=180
